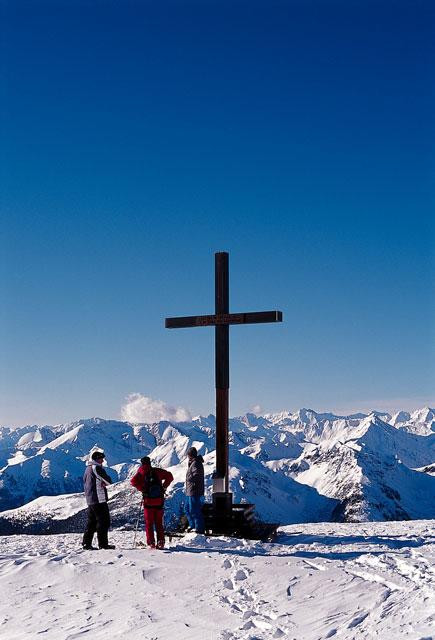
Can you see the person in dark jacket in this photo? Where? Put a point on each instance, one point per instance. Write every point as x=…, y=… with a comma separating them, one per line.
x=152, y=482
x=195, y=490
x=95, y=482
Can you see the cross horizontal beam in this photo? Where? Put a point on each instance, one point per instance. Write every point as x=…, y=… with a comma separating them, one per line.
x=220, y=319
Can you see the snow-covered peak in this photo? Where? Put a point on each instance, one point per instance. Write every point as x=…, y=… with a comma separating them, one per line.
x=306, y=416
x=423, y=415
x=421, y=421
x=279, y=417
x=383, y=415
x=401, y=417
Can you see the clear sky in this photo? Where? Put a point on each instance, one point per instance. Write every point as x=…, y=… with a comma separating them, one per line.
x=138, y=138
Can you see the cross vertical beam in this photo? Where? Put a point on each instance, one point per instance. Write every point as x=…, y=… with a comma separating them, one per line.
x=222, y=364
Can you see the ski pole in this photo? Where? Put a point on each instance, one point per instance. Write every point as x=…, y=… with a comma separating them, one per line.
x=137, y=524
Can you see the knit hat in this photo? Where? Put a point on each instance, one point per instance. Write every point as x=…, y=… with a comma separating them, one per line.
x=145, y=460
x=192, y=452
x=98, y=455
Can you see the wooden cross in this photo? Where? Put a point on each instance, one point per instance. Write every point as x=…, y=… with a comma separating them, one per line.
x=221, y=320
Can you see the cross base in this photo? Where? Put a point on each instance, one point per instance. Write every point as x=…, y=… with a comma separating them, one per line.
x=223, y=517
x=222, y=503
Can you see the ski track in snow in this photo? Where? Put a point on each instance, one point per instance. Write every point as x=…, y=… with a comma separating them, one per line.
x=318, y=581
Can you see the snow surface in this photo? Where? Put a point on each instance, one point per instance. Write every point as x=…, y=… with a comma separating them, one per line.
x=345, y=581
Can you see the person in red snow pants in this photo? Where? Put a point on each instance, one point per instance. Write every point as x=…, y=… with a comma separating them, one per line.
x=154, y=518
x=152, y=482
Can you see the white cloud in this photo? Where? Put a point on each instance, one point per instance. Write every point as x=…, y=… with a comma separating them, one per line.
x=142, y=409
x=257, y=410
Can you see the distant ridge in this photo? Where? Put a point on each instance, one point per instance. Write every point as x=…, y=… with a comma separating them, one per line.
x=296, y=467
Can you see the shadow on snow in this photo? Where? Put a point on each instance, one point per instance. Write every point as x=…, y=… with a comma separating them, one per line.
x=364, y=545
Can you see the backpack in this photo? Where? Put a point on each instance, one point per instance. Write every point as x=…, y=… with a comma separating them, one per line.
x=153, y=486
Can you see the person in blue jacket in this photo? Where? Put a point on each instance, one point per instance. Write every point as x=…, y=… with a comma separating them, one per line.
x=195, y=490
x=95, y=482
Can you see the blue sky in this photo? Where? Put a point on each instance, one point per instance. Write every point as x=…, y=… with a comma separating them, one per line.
x=140, y=137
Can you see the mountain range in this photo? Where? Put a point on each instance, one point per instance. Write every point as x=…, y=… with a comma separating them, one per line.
x=295, y=467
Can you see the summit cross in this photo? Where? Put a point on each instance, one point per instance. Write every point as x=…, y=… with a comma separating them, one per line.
x=221, y=320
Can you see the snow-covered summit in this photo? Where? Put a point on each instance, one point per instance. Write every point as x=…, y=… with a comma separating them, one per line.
x=329, y=580
x=421, y=421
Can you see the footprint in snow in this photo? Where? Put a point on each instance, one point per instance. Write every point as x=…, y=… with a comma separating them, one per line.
x=356, y=621
x=240, y=575
x=227, y=564
x=225, y=600
x=235, y=609
x=58, y=558
x=248, y=614
x=248, y=625
x=262, y=624
x=19, y=561
x=269, y=615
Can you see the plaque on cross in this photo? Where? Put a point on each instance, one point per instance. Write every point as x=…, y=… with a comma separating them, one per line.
x=221, y=320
